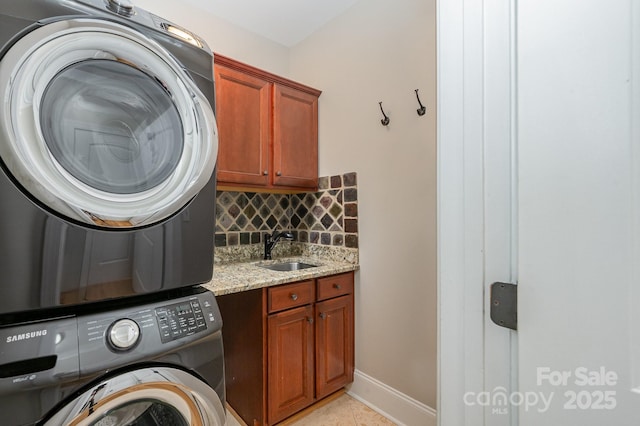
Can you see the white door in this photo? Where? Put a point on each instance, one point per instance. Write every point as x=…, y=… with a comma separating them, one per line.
x=570, y=149
x=578, y=193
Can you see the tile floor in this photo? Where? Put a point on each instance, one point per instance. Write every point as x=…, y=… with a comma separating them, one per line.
x=342, y=411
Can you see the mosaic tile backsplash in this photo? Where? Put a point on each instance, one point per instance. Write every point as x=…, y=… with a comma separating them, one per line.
x=327, y=217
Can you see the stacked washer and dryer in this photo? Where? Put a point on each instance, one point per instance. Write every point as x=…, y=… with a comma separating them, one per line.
x=108, y=147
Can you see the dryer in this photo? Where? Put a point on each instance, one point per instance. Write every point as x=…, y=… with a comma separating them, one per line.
x=158, y=363
x=108, y=146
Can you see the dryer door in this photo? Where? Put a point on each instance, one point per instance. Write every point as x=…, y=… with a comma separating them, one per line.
x=149, y=396
x=102, y=125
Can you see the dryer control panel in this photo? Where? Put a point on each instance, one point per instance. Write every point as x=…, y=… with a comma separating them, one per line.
x=112, y=338
x=181, y=319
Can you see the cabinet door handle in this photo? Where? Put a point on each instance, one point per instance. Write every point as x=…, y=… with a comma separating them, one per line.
x=310, y=320
x=266, y=172
x=294, y=296
x=323, y=315
x=337, y=286
x=278, y=173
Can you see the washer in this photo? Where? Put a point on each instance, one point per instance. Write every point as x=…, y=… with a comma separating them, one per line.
x=158, y=363
x=108, y=145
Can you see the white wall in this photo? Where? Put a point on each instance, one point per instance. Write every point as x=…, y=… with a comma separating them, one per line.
x=381, y=51
x=222, y=36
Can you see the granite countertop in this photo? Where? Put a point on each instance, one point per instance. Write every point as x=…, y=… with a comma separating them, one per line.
x=233, y=277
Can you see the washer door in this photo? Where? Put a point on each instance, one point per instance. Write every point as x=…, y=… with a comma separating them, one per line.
x=102, y=125
x=154, y=396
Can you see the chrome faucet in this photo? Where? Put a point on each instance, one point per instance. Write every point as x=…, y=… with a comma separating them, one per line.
x=271, y=240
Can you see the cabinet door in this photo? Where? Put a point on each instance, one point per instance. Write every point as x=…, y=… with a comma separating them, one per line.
x=334, y=344
x=290, y=362
x=243, y=116
x=295, y=138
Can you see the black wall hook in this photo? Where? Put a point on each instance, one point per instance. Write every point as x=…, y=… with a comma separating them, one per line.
x=422, y=110
x=385, y=121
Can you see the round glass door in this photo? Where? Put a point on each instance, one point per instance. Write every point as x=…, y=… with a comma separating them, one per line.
x=111, y=126
x=102, y=125
x=148, y=396
x=142, y=413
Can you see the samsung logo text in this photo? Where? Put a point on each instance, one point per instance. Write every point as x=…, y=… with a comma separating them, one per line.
x=26, y=336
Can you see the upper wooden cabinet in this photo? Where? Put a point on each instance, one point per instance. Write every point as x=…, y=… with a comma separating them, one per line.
x=243, y=105
x=268, y=129
x=295, y=137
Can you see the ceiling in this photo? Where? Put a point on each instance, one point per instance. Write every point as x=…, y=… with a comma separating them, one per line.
x=284, y=21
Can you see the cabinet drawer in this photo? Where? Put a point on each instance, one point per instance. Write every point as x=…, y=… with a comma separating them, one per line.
x=334, y=286
x=290, y=295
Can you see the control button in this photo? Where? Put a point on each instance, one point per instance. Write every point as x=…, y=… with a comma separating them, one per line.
x=124, y=334
x=181, y=320
x=121, y=7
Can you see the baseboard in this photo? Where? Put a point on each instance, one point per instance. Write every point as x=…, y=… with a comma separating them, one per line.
x=391, y=403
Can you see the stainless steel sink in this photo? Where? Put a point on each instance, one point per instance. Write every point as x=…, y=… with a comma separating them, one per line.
x=288, y=266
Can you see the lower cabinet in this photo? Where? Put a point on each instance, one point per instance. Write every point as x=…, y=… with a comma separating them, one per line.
x=290, y=363
x=334, y=345
x=287, y=346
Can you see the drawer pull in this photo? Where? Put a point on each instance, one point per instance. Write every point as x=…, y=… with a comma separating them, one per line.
x=337, y=286
x=294, y=296
x=278, y=173
x=265, y=173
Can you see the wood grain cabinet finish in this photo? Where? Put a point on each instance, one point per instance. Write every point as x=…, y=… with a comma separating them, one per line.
x=334, y=344
x=295, y=138
x=282, y=354
x=290, y=295
x=334, y=286
x=290, y=362
x=242, y=113
x=268, y=130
